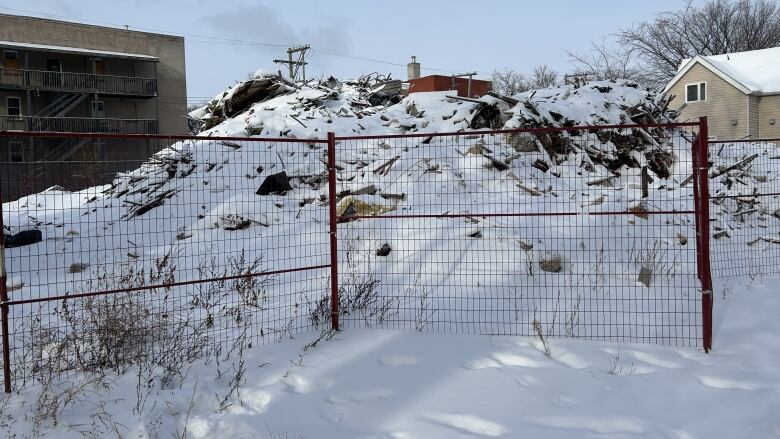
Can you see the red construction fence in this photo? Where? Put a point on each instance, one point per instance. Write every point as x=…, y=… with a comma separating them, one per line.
x=214, y=245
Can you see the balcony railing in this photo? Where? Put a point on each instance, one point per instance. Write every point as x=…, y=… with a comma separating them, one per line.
x=79, y=125
x=77, y=82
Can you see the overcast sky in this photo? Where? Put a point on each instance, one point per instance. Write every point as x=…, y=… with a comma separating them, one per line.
x=225, y=40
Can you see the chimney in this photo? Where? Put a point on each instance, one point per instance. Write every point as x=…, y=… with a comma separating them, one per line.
x=413, y=69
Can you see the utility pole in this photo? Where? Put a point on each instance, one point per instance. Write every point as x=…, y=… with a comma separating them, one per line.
x=294, y=66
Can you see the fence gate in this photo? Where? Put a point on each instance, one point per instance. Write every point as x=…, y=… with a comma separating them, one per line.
x=546, y=232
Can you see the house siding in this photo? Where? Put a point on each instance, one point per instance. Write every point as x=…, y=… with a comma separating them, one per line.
x=754, y=107
x=769, y=108
x=724, y=103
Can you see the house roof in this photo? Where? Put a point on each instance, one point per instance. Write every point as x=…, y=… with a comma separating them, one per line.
x=75, y=50
x=755, y=72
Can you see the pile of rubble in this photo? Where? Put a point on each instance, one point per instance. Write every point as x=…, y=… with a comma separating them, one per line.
x=268, y=105
x=373, y=90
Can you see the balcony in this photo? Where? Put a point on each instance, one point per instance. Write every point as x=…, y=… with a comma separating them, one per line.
x=79, y=125
x=77, y=83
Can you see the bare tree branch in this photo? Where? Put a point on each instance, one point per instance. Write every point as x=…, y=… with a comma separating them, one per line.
x=716, y=27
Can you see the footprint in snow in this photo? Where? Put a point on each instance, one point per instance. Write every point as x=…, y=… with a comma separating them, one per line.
x=485, y=363
x=468, y=423
x=368, y=395
x=527, y=381
x=509, y=359
x=302, y=385
x=725, y=383
x=253, y=402
x=601, y=425
x=565, y=401
x=398, y=360
x=654, y=360
x=569, y=359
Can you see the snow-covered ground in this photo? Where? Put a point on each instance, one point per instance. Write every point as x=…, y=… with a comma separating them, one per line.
x=369, y=383
x=394, y=385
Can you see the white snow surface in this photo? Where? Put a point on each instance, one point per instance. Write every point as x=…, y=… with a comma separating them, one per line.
x=396, y=385
x=399, y=385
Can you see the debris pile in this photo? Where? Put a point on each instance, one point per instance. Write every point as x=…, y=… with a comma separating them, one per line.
x=743, y=188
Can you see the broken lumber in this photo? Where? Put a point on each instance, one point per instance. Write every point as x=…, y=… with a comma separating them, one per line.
x=739, y=165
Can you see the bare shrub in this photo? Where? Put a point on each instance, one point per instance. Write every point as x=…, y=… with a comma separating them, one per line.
x=359, y=287
x=419, y=293
x=540, y=334
x=617, y=367
x=108, y=333
x=654, y=255
x=57, y=396
x=251, y=286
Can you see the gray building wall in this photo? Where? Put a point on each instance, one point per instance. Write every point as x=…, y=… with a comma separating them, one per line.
x=169, y=107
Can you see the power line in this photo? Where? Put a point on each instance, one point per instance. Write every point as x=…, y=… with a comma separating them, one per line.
x=120, y=26
x=343, y=55
x=216, y=39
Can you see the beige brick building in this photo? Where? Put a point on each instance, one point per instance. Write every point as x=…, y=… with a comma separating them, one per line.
x=78, y=78
x=738, y=92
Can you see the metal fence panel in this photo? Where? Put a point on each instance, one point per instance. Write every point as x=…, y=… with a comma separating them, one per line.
x=745, y=207
x=187, y=254
x=163, y=249
x=548, y=233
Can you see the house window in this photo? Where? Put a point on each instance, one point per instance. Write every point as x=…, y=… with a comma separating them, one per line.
x=14, y=106
x=16, y=152
x=696, y=92
x=10, y=59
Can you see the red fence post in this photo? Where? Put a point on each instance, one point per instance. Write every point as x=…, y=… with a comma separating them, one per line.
x=705, y=274
x=334, y=264
x=4, y=305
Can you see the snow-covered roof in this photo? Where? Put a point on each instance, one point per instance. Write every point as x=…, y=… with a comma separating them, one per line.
x=75, y=50
x=752, y=72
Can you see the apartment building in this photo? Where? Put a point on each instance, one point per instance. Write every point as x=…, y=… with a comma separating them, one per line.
x=71, y=77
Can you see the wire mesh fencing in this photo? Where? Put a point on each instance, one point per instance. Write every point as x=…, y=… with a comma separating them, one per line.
x=127, y=250
x=573, y=232
x=745, y=213
x=154, y=251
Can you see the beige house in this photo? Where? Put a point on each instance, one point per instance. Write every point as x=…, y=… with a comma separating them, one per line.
x=738, y=92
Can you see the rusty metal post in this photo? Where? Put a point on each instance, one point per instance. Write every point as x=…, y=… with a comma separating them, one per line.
x=334, y=260
x=4, y=305
x=704, y=224
x=696, y=202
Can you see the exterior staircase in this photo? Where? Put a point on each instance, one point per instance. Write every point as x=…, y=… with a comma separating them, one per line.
x=62, y=105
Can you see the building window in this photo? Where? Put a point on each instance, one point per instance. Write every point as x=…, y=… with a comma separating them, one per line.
x=97, y=66
x=54, y=65
x=14, y=106
x=696, y=92
x=98, y=109
x=16, y=152
x=10, y=59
